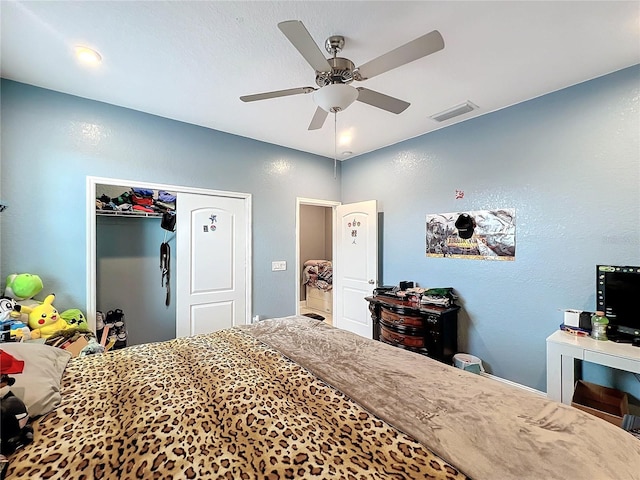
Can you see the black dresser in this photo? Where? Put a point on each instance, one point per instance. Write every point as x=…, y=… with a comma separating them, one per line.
x=426, y=329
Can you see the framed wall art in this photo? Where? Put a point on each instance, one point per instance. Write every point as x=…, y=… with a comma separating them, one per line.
x=475, y=235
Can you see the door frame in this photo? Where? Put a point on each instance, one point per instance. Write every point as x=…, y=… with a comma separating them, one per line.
x=91, y=239
x=318, y=203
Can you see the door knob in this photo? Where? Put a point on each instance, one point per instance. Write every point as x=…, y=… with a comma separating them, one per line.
x=371, y=282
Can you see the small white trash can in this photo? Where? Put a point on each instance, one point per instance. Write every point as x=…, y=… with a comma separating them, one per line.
x=468, y=362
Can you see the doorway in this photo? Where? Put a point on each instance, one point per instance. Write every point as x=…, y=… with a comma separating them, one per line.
x=355, y=258
x=244, y=249
x=315, y=242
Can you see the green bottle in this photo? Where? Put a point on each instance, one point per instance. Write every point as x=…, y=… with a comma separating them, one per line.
x=599, y=326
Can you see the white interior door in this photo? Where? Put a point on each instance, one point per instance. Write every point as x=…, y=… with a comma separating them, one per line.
x=356, y=268
x=212, y=243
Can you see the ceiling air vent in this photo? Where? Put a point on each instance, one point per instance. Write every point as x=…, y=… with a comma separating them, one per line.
x=454, y=111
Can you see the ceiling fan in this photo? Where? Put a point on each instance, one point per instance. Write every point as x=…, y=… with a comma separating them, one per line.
x=334, y=75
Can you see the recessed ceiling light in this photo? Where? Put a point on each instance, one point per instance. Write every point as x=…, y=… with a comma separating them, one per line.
x=87, y=55
x=347, y=153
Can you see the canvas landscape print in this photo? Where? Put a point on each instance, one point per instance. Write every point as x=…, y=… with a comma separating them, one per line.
x=492, y=235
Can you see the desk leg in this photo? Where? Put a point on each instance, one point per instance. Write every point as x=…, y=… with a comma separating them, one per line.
x=561, y=371
x=568, y=378
x=554, y=372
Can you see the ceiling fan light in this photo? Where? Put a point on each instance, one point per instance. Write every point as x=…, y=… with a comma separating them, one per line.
x=335, y=97
x=87, y=55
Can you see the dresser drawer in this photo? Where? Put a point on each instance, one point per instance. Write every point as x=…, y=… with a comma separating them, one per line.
x=403, y=339
x=395, y=319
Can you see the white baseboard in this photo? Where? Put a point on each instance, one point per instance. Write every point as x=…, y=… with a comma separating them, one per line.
x=513, y=384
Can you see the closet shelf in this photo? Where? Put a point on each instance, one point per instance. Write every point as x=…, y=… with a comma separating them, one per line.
x=120, y=213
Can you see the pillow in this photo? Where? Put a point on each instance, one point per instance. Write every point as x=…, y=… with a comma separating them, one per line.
x=313, y=263
x=38, y=386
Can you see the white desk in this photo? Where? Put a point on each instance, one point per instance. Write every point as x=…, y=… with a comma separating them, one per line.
x=564, y=349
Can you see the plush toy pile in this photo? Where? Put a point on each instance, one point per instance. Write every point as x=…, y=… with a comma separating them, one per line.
x=24, y=318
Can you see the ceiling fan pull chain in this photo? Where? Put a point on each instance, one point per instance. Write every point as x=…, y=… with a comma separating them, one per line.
x=335, y=143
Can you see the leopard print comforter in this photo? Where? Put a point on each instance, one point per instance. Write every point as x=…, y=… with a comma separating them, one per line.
x=215, y=406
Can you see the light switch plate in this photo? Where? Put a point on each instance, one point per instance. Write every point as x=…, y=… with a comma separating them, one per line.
x=278, y=266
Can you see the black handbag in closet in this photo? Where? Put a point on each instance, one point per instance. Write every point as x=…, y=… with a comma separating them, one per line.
x=169, y=224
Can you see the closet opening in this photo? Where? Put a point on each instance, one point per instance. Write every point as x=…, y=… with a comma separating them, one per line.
x=135, y=264
x=126, y=270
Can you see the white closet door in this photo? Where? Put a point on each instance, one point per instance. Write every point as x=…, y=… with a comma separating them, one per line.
x=211, y=257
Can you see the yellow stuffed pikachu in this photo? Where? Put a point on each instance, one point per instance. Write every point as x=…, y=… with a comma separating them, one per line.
x=44, y=319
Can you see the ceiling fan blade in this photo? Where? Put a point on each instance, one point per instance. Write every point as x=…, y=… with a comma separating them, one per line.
x=318, y=119
x=380, y=100
x=300, y=37
x=415, y=49
x=277, y=93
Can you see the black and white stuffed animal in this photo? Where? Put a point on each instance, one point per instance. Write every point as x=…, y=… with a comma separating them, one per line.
x=15, y=430
x=7, y=306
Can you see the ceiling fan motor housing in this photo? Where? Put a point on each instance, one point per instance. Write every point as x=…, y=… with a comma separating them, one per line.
x=341, y=72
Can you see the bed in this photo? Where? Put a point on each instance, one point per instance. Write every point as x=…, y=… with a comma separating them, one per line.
x=317, y=277
x=297, y=398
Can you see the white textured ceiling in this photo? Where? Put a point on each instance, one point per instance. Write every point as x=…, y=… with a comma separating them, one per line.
x=192, y=60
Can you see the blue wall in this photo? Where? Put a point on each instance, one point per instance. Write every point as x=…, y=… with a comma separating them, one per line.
x=52, y=141
x=568, y=162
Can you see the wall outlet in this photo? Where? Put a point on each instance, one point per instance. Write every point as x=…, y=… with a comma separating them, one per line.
x=278, y=266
